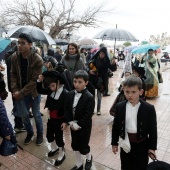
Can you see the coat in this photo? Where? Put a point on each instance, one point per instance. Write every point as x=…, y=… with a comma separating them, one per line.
x=35, y=63
x=5, y=126
x=84, y=109
x=146, y=124
x=52, y=104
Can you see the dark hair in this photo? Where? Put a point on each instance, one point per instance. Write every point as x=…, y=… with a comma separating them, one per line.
x=132, y=81
x=82, y=74
x=50, y=52
x=77, y=51
x=26, y=37
x=81, y=50
x=150, y=50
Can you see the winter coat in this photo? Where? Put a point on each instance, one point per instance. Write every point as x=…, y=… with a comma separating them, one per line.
x=34, y=69
x=5, y=126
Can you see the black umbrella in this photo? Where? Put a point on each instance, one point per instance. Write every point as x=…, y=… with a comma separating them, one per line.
x=61, y=42
x=115, y=34
x=36, y=34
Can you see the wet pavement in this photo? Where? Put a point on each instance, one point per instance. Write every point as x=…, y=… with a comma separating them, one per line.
x=35, y=157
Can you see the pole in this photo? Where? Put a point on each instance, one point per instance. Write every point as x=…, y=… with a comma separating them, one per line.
x=115, y=46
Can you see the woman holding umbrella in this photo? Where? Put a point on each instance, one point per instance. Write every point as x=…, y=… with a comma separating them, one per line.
x=151, y=68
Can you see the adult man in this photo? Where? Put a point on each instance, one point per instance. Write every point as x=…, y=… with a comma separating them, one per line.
x=25, y=68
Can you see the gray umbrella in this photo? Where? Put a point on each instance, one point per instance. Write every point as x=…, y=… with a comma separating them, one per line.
x=87, y=41
x=36, y=34
x=119, y=34
x=61, y=42
x=116, y=35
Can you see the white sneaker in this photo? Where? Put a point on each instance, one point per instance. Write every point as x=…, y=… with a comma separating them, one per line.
x=99, y=113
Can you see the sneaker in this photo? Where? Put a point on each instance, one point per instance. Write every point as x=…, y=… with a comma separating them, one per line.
x=28, y=138
x=19, y=130
x=98, y=113
x=39, y=140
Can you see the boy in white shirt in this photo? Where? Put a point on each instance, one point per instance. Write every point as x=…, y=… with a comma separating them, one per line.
x=79, y=108
x=134, y=127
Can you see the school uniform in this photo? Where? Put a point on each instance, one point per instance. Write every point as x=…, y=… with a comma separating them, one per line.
x=55, y=104
x=140, y=124
x=79, y=108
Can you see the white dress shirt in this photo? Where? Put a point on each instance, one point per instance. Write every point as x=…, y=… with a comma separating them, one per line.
x=56, y=95
x=131, y=117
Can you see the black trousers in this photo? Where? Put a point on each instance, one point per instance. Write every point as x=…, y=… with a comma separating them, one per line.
x=137, y=159
x=81, y=138
x=54, y=131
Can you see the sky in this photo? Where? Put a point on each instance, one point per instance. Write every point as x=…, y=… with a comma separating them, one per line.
x=141, y=17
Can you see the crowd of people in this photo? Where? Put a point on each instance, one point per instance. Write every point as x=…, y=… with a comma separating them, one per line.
x=69, y=81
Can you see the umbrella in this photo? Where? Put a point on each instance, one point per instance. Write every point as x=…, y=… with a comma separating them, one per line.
x=130, y=48
x=61, y=42
x=87, y=41
x=94, y=50
x=145, y=48
x=116, y=35
x=36, y=34
x=88, y=46
x=4, y=42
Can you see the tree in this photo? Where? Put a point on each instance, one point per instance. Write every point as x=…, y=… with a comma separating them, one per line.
x=163, y=40
x=126, y=44
x=55, y=15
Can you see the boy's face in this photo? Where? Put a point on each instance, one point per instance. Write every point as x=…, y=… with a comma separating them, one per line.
x=127, y=74
x=132, y=94
x=53, y=86
x=136, y=73
x=79, y=84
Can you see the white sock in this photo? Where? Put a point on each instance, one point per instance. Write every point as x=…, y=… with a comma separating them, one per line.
x=61, y=153
x=54, y=146
x=88, y=156
x=78, y=158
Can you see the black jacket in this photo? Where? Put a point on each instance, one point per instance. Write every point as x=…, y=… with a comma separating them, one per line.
x=146, y=123
x=51, y=103
x=84, y=109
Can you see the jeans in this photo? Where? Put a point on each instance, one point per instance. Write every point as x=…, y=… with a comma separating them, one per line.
x=99, y=100
x=35, y=102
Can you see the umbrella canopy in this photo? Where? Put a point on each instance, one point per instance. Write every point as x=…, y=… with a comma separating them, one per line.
x=145, y=48
x=87, y=41
x=118, y=34
x=88, y=46
x=61, y=42
x=4, y=42
x=130, y=48
x=36, y=34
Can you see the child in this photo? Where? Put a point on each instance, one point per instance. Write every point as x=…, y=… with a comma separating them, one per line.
x=135, y=127
x=140, y=72
x=79, y=108
x=56, y=95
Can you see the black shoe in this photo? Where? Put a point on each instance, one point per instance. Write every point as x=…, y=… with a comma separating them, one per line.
x=59, y=162
x=52, y=152
x=75, y=168
x=39, y=140
x=88, y=164
x=105, y=95
x=30, y=115
x=28, y=138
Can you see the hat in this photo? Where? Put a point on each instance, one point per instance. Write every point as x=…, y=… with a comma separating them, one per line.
x=53, y=76
x=140, y=70
x=26, y=37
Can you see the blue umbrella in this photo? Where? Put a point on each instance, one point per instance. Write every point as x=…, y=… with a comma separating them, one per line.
x=145, y=48
x=4, y=42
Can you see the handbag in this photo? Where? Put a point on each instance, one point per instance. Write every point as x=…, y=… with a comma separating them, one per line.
x=160, y=77
x=158, y=165
x=8, y=147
